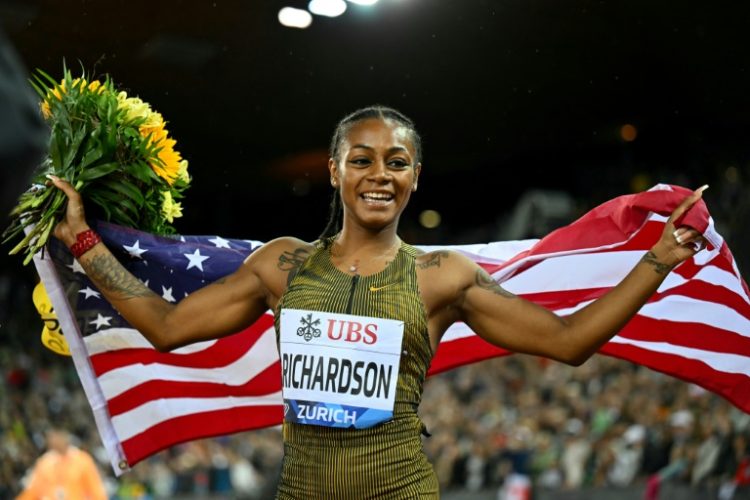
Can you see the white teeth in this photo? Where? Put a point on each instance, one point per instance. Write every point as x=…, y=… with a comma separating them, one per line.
x=377, y=196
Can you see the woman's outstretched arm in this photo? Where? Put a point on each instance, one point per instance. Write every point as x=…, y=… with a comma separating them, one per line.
x=522, y=326
x=221, y=308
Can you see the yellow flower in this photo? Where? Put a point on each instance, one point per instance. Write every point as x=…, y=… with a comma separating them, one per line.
x=134, y=107
x=168, y=168
x=153, y=120
x=170, y=208
x=154, y=126
x=96, y=86
x=171, y=159
x=182, y=173
x=77, y=81
x=57, y=93
x=81, y=83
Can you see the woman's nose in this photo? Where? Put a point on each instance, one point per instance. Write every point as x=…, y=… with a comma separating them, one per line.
x=380, y=171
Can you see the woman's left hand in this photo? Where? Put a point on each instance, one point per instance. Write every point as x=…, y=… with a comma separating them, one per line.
x=679, y=244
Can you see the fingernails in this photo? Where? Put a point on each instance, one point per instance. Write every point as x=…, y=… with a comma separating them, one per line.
x=702, y=188
x=52, y=177
x=677, y=233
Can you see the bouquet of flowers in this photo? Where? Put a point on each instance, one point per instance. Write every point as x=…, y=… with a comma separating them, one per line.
x=114, y=149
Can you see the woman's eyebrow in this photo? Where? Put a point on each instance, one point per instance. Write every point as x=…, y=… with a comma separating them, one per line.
x=390, y=150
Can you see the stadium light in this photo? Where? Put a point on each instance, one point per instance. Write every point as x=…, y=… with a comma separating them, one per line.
x=295, y=18
x=328, y=8
x=364, y=2
x=628, y=132
x=430, y=219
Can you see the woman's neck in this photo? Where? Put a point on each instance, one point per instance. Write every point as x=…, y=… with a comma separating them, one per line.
x=354, y=240
x=359, y=252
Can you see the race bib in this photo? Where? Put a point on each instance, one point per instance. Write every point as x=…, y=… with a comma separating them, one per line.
x=339, y=370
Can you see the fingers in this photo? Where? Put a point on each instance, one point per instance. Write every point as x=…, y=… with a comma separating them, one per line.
x=64, y=186
x=689, y=238
x=75, y=219
x=686, y=234
x=687, y=203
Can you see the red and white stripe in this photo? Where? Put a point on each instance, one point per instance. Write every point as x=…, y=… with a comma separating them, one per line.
x=696, y=327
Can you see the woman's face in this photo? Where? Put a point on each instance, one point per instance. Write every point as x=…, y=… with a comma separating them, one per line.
x=376, y=173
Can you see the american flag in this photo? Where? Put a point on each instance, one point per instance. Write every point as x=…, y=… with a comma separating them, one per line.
x=695, y=327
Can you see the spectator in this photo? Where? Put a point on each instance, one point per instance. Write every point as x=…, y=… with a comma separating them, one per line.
x=64, y=471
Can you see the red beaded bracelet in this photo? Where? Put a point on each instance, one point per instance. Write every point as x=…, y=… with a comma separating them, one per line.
x=85, y=241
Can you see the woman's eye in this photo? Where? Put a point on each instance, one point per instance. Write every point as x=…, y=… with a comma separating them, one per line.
x=398, y=163
x=361, y=161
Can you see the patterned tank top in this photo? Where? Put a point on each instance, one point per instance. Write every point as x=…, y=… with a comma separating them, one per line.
x=385, y=461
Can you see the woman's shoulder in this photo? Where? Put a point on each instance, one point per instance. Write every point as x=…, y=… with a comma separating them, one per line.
x=438, y=259
x=289, y=244
x=450, y=267
x=283, y=249
x=443, y=276
x=278, y=260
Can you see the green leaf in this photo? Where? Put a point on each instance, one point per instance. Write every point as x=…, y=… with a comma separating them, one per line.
x=11, y=232
x=111, y=198
x=130, y=206
x=25, y=241
x=102, y=203
x=143, y=172
x=55, y=151
x=126, y=188
x=72, y=148
x=44, y=76
x=120, y=217
x=92, y=173
x=91, y=156
x=40, y=89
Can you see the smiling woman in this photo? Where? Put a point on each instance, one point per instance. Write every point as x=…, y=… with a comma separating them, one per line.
x=359, y=312
x=374, y=127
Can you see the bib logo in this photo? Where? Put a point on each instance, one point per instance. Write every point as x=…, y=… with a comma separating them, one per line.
x=308, y=330
x=352, y=331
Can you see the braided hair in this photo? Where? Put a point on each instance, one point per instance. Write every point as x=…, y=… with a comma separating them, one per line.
x=377, y=111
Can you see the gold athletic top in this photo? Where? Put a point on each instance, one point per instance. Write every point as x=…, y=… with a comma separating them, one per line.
x=385, y=461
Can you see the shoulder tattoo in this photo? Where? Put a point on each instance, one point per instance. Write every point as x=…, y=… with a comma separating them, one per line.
x=659, y=267
x=291, y=261
x=434, y=259
x=108, y=274
x=485, y=281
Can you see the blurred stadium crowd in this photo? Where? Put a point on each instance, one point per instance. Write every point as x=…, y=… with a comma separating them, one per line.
x=607, y=423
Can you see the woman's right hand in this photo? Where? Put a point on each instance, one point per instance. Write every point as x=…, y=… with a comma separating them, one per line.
x=75, y=217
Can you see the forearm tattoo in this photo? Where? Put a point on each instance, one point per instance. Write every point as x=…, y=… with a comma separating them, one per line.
x=291, y=262
x=434, y=259
x=484, y=280
x=109, y=275
x=659, y=267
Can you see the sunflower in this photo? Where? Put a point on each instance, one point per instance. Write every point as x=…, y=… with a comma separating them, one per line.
x=168, y=161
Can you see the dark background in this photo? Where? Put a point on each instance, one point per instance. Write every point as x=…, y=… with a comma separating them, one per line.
x=509, y=96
